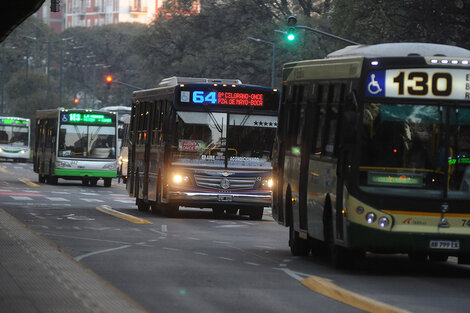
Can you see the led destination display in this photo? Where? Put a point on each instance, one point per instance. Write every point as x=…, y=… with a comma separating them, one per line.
x=11, y=121
x=85, y=118
x=222, y=98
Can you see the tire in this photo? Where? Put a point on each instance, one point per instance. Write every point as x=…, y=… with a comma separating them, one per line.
x=52, y=180
x=143, y=206
x=93, y=182
x=107, y=182
x=85, y=181
x=340, y=257
x=298, y=246
x=218, y=212
x=257, y=213
x=231, y=211
x=435, y=258
x=41, y=178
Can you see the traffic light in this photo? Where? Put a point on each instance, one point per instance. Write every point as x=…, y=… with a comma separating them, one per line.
x=75, y=100
x=291, y=29
x=109, y=80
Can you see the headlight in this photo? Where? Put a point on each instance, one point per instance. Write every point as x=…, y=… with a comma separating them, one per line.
x=110, y=165
x=1, y=150
x=383, y=222
x=371, y=217
x=63, y=164
x=181, y=179
x=267, y=183
x=23, y=151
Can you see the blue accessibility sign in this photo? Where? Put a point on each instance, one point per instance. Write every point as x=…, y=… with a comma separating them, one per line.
x=375, y=84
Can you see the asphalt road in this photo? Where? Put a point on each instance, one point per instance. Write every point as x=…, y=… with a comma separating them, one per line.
x=198, y=263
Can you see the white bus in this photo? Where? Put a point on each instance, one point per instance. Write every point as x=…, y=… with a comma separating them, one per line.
x=122, y=113
x=14, y=138
x=75, y=144
x=124, y=150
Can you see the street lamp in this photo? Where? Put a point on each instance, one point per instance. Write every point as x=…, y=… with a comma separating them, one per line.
x=273, y=58
x=2, y=77
x=27, y=68
x=63, y=40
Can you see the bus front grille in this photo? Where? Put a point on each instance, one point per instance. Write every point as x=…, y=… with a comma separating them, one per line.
x=225, y=183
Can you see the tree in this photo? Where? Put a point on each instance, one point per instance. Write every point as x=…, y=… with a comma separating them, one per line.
x=379, y=21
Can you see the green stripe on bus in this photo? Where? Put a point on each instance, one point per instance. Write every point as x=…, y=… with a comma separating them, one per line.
x=89, y=173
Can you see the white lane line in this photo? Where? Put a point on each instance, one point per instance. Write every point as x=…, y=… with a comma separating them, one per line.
x=125, y=201
x=20, y=198
x=200, y=253
x=89, y=193
x=59, y=192
x=57, y=199
x=264, y=247
x=224, y=258
x=170, y=249
x=91, y=200
x=251, y=263
x=193, y=238
x=81, y=257
x=223, y=242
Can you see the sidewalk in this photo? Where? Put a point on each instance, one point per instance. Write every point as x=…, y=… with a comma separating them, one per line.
x=35, y=276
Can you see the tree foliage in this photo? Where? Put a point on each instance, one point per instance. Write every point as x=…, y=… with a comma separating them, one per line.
x=379, y=21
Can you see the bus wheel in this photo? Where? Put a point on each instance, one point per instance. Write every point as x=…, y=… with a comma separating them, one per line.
x=52, y=180
x=257, y=213
x=107, y=182
x=41, y=178
x=340, y=257
x=231, y=211
x=142, y=206
x=85, y=181
x=298, y=246
x=438, y=257
x=93, y=181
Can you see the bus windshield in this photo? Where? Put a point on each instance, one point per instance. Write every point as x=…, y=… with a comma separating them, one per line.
x=418, y=150
x=203, y=138
x=87, y=141
x=14, y=135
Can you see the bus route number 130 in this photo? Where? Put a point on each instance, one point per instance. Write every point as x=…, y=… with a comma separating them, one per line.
x=420, y=83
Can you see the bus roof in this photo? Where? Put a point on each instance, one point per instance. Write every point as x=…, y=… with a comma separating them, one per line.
x=402, y=49
x=173, y=81
x=117, y=108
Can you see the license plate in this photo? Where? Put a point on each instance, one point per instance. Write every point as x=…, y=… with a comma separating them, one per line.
x=444, y=244
x=225, y=198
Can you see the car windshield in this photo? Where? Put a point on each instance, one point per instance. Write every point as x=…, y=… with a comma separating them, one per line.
x=14, y=135
x=416, y=149
x=84, y=141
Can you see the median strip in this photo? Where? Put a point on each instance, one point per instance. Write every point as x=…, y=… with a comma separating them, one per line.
x=108, y=210
x=29, y=183
x=328, y=289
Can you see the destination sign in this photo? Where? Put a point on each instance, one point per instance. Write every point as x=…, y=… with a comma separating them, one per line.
x=378, y=178
x=12, y=121
x=222, y=98
x=427, y=83
x=85, y=118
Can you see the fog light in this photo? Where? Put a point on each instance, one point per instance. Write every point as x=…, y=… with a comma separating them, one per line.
x=383, y=222
x=371, y=218
x=359, y=210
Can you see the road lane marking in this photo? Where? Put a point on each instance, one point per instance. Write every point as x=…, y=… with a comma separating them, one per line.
x=4, y=170
x=81, y=257
x=329, y=289
x=91, y=200
x=251, y=263
x=28, y=182
x=20, y=198
x=57, y=199
x=224, y=258
x=108, y=210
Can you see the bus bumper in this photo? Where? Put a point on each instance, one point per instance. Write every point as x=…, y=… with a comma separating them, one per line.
x=197, y=198
x=374, y=240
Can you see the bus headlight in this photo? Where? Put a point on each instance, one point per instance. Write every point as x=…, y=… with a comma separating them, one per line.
x=180, y=179
x=63, y=164
x=1, y=150
x=371, y=217
x=383, y=222
x=23, y=151
x=267, y=183
x=110, y=166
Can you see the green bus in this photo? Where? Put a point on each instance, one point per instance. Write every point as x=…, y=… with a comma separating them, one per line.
x=372, y=152
x=75, y=144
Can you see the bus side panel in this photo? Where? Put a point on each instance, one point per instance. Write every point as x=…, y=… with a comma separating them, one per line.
x=153, y=174
x=139, y=169
x=291, y=182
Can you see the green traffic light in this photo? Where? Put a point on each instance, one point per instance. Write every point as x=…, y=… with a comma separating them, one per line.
x=290, y=37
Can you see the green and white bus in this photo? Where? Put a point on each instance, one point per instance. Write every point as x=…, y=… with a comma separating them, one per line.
x=75, y=144
x=372, y=152
x=14, y=138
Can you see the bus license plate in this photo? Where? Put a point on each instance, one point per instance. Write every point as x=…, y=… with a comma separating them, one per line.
x=444, y=244
x=225, y=198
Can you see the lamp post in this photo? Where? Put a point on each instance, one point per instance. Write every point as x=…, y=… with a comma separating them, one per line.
x=273, y=58
x=63, y=40
x=27, y=69
x=2, y=77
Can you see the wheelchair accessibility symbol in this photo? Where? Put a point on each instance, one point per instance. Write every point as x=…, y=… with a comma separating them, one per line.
x=65, y=118
x=375, y=84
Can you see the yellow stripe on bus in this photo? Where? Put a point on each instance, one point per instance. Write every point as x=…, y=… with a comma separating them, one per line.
x=425, y=213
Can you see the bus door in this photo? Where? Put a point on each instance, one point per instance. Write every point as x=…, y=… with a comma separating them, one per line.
x=133, y=136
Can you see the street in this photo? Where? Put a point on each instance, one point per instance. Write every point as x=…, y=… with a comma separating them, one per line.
x=196, y=262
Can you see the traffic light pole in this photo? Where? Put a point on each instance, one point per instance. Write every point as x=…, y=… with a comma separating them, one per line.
x=128, y=85
x=327, y=34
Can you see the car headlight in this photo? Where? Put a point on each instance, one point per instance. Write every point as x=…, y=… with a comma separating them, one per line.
x=111, y=166
x=23, y=151
x=371, y=217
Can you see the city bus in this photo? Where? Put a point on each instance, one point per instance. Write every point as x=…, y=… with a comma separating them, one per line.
x=14, y=138
x=372, y=152
x=122, y=113
x=75, y=144
x=202, y=143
